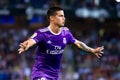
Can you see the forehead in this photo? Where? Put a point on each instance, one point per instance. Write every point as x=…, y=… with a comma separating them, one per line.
x=61, y=12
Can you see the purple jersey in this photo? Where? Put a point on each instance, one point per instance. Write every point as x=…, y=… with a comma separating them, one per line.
x=50, y=47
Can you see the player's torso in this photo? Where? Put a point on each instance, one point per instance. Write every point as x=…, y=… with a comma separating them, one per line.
x=49, y=51
x=54, y=43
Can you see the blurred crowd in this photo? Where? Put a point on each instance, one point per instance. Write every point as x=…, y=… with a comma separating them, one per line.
x=75, y=65
x=47, y=3
x=107, y=7
x=12, y=65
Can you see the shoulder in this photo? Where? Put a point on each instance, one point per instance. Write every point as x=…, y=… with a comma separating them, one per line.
x=42, y=30
x=64, y=29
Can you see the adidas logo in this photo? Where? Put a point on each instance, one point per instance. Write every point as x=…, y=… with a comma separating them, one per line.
x=49, y=42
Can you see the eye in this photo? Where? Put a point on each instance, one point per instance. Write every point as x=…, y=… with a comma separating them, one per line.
x=61, y=15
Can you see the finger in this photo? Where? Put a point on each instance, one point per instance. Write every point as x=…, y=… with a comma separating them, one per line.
x=21, y=46
x=98, y=56
x=101, y=48
x=102, y=52
x=20, y=50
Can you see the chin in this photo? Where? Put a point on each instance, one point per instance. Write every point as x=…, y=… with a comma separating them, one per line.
x=62, y=25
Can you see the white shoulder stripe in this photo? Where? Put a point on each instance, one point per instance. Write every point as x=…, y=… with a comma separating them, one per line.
x=65, y=28
x=44, y=30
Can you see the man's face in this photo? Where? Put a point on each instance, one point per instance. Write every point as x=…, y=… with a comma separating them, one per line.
x=59, y=18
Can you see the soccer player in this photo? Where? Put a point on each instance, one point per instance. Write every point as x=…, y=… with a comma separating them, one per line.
x=51, y=42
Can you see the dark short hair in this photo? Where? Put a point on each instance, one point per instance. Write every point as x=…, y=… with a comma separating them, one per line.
x=52, y=11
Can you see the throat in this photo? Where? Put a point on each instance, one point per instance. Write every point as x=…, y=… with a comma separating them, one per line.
x=55, y=30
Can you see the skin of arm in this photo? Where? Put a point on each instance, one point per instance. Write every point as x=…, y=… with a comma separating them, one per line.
x=97, y=51
x=26, y=45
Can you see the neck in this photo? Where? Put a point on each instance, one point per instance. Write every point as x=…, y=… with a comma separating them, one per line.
x=54, y=28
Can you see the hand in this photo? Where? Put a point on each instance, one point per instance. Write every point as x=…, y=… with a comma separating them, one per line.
x=98, y=51
x=23, y=47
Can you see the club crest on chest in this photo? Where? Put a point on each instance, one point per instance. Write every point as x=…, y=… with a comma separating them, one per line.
x=64, y=40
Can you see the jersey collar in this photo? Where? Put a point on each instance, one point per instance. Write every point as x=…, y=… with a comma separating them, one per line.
x=53, y=32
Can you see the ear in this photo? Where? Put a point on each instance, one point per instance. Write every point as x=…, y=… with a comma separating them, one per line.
x=52, y=18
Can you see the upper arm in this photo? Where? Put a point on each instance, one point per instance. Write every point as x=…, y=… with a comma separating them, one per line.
x=36, y=37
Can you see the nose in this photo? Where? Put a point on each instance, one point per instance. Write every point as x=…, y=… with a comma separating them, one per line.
x=63, y=18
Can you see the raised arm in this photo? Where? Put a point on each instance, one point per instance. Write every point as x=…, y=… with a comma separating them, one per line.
x=26, y=45
x=97, y=51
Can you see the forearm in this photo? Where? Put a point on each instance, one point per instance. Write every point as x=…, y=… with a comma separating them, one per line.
x=97, y=51
x=84, y=47
x=29, y=43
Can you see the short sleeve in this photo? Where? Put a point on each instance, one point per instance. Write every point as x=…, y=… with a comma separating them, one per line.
x=71, y=38
x=37, y=36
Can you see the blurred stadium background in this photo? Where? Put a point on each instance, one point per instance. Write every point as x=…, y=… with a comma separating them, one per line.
x=95, y=22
